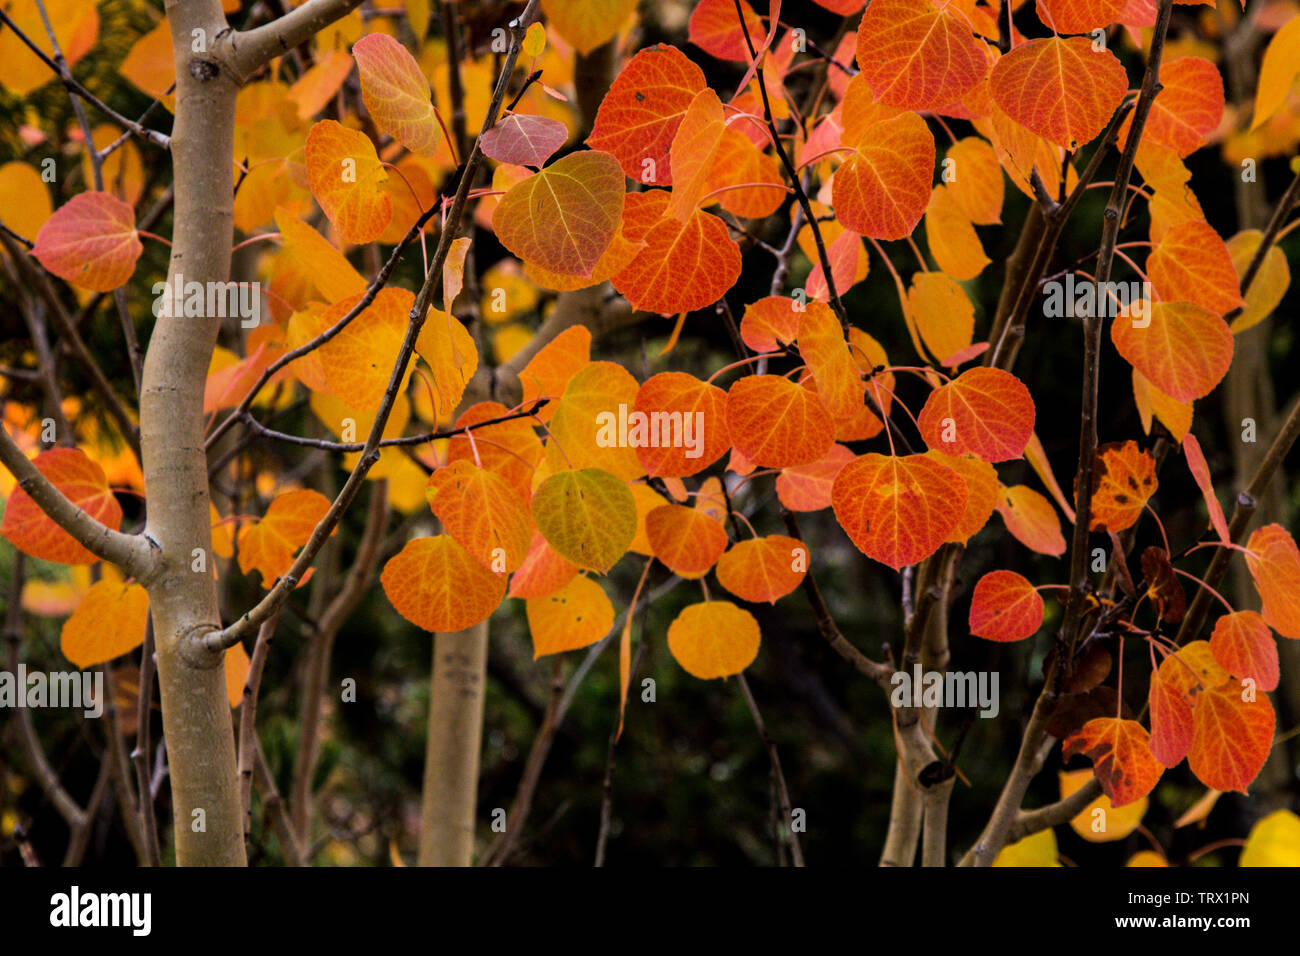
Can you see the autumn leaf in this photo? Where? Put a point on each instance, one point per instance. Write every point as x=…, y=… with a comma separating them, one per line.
x=665, y=276
x=1031, y=520
x=1188, y=108
x=683, y=406
x=327, y=267
x=808, y=487
x=977, y=187
x=898, y=510
x=82, y=482
x=770, y=323
x=565, y=217
x=951, y=237
x=1278, y=72
x=348, y=180
x=483, y=513
x=548, y=373
x=586, y=427
x=396, y=92
x=1271, y=281
x=1192, y=264
x=981, y=492
x=1274, y=840
x=109, y=621
x=1232, y=733
x=524, y=140
x=577, y=615
x=587, y=516
x=1107, y=826
x=687, y=541
x=1005, y=607
x=1121, y=757
x=439, y=586
x=777, y=424
x=1079, y=16
x=1180, y=679
x=587, y=24
x=543, y=571
x=359, y=360
x=1152, y=403
x=883, y=189
x=944, y=315
x=314, y=89
x=1244, y=647
x=692, y=153
x=25, y=198
x=1274, y=565
x=639, y=116
x=1200, y=470
x=763, y=569
x=715, y=28
x=1184, y=349
x=823, y=347
x=916, y=55
x=984, y=411
x=1060, y=89
x=714, y=639
x=1123, y=480
x=269, y=545
x=90, y=241
x=510, y=449
x=1162, y=585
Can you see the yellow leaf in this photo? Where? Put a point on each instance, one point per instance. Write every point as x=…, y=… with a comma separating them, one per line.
x=577, y=615
x=109, y=622
x=1037, y=849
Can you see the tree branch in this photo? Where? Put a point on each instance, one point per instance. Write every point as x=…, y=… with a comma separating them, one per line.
x=256, y=48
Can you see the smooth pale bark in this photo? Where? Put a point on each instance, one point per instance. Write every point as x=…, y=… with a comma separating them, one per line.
x=451, y=763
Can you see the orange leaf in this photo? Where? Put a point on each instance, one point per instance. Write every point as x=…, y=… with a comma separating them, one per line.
x=1005, y=607
x=564, y=218
x=359, y=360
x=1080, y=16
x=548, y=372
x=715, y=28
x=738, y=161
x=692, y=153
x=1200, y=470
x=1173, y=414
x=1231, y=736
x=587, y=24
x=313, y=90
x=898, y=510
x=346, y=178
x=1184, y=351
x=446, y=347
x=330, y=271
x=951, y=237
x=543, y=572
x=1121, y=757
x=763, y=569
x=1244, y=647
x=90, y=241
x=639, y=116
x=588, y=517
x=1274, y=564
x=1123, y=479
x=436, y=584
x=1031, y=520
x=1192, y=263
x=686, y=540
x=1271, y=281
x=916, y=55
x=679, y=405
x=236, y=666
x=510, y=449
x=1059, y=88
x=586, y=430
x=823, y=347
x=714, y=639
x=771, y=322
x=483, y=513
x=1037, y=458
x=109, y=621
x=269, y=545
x=777, y=424
x=977, y=185
x=82, y=482
x=981, y=492
x=808, y=487
x=1278, y=72
x=396, y=92
x=983, y=411
x=944, y=315
x=1188, y=108
x=684, y=266
x=883, y=189
x=577, y=615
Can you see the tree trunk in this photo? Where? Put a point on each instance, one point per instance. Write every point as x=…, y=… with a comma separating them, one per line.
x=452, y=752
x=196, y=713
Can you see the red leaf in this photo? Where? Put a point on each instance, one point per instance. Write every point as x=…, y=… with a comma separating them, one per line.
x=90, y=241
x=1005, y=607
x=1121, y=757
